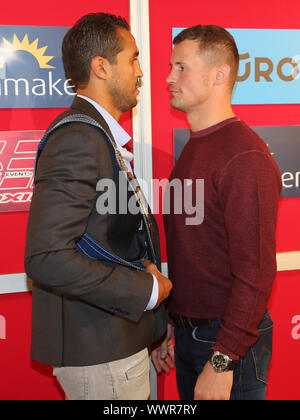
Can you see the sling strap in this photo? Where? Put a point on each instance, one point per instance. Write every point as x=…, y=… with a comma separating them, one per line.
x=93, y=249
x=87, y=244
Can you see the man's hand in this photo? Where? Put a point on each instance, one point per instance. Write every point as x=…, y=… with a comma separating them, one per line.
x=212, y=385
x=164, y=284
x=163, y=356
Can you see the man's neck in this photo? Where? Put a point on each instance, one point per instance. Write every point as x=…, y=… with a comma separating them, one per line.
x=207, y=116
x=102, y=100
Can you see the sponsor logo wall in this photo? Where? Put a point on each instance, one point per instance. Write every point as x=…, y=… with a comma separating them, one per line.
x=46, y=87
x=31, y=76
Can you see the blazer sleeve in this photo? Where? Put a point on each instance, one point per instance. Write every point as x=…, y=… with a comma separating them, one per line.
x=64, y=196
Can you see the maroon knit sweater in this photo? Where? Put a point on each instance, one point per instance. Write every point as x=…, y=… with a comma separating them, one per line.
x=225, y=266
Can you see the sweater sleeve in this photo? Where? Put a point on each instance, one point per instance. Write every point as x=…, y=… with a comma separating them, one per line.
x=250, y=187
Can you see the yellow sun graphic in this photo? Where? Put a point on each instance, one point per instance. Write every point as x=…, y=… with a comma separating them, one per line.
x=32, y=48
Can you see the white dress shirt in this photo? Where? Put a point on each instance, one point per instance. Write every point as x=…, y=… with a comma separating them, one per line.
x=121, y=138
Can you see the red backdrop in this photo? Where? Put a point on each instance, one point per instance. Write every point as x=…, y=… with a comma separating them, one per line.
x=284, y=304
x=29, y=380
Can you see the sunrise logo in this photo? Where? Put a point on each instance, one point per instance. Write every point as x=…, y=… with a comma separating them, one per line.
x=31, y=68
x=10, y=47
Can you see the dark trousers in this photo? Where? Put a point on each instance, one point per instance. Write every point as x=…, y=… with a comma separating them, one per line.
x=192, y=350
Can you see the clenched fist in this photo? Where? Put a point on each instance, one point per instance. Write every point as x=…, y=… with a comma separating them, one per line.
x=164, y=284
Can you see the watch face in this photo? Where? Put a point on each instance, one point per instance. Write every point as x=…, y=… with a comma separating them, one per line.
x=220, y=362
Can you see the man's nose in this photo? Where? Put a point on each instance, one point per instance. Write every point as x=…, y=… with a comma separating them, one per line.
x=139, y=70
x=170, y=78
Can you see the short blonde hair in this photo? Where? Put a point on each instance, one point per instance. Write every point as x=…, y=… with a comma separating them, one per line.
x=216, y=43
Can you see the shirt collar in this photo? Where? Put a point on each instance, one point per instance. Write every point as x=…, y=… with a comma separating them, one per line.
x=119, y=134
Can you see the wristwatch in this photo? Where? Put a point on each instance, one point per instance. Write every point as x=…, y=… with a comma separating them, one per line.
x=221, y=362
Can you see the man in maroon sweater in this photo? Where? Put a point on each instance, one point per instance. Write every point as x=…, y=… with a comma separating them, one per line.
x=223, y=268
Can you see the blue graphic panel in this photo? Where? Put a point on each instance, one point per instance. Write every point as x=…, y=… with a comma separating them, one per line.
x=31, y=68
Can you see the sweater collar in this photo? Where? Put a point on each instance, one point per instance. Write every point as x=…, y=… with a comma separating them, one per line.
x=213, y=128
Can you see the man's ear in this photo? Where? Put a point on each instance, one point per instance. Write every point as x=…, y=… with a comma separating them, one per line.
x=222, y=75
x=100, y=67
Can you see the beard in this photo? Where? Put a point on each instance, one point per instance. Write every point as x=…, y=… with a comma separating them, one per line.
x=123, y=96
x=123, y=101
x=178, y=104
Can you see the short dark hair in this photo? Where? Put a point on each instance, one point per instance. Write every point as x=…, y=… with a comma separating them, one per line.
x=216, y=42
x=92, y=35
